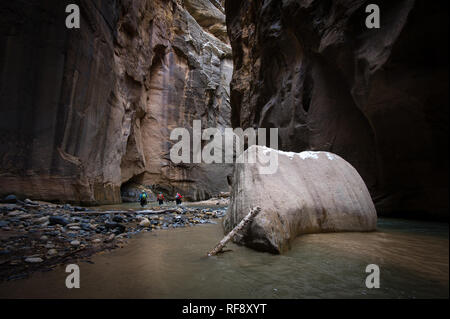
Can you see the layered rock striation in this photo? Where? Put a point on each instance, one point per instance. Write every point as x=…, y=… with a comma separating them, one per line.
x=376, y=97
x=86, y=111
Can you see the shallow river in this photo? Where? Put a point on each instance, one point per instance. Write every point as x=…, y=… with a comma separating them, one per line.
x=412, y=256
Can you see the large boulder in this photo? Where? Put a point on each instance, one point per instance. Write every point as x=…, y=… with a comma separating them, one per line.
x=310, y=192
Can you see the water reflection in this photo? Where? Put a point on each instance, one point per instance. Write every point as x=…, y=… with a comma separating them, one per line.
x=413, y=258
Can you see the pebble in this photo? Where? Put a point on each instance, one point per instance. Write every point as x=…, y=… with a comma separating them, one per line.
x=117, y=219
x=30, y=202
x=10, y=199
x=75, y=243
x=4, y=223
x=58, y=220
x=86, y=226
x=41, y=220
x=110, y=238
x=15, y=213
x=33, y=260
x=144, y=223
x=25, y=216
x=52, y=252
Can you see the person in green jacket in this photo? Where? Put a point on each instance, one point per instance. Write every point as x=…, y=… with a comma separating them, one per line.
x=143, y=198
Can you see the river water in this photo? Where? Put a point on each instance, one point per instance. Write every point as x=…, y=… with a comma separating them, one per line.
x=412, y=256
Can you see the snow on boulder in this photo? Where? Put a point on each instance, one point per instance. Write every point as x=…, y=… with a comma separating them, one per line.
x=309, y=192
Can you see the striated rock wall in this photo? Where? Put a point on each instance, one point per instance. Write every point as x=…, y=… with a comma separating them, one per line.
x=376, y=97
x=83, y=112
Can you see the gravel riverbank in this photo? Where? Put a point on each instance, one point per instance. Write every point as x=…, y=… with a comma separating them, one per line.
x=38, y=235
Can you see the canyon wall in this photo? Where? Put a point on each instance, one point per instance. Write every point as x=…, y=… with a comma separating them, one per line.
x=376, y=97
x=86, y=111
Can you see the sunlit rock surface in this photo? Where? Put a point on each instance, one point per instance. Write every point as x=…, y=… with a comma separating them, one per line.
x=310, y=192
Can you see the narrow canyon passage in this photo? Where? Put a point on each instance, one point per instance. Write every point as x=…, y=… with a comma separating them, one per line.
x=348, y=124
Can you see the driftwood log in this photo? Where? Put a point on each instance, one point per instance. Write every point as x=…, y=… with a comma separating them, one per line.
x=244, y=222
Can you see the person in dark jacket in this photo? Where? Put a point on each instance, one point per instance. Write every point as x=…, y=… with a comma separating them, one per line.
x=160, y=198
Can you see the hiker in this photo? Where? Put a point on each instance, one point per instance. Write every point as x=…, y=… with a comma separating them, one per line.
x=178, y=198
x=143, y=198
x=160, y=198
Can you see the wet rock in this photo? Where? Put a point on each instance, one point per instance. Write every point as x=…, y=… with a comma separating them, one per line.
x=10, y=199
x=144, y=223
x=25, y=216
x=52, y=252
x=110, y=238
x=41, y=220
x=87, y=227
x=329, y=196
x=53, y=233
x=4, y=252
x=58, y=220
x=33, y=260
x=30, y=202
x=15, y=213
x=112, y=225
x=15, y=262
x=72, y=234
x=117, y=219
x=3, y=223
x=75, y=243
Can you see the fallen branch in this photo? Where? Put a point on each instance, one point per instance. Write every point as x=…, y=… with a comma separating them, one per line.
x=246, y=220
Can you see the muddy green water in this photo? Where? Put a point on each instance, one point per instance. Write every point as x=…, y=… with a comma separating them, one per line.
x=412, y=256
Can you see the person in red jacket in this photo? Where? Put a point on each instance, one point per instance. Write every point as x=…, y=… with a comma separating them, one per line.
x=160, y=198
x=178, y=198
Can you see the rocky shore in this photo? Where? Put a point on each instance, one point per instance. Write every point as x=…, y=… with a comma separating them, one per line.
x=39, y=235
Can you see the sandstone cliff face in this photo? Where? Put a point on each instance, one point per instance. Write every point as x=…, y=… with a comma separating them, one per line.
x=86, y=111
x=376, y=97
